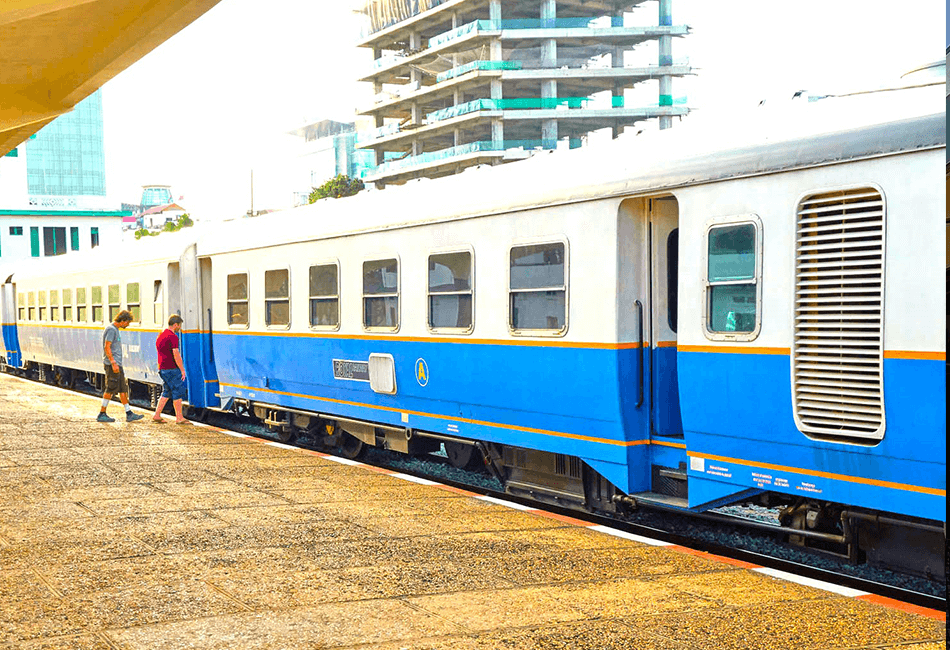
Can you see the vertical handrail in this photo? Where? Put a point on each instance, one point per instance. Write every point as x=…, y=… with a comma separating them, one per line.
x=210, y=341
x=640, y=354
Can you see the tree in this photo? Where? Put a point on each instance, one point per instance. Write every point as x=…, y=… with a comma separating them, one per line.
x=337, y=187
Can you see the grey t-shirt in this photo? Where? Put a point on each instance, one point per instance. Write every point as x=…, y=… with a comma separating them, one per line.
x=111, y=333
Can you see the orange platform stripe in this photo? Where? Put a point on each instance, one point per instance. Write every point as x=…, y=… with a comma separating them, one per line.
x=562, y=518
x=714, y=557
x=904, y=607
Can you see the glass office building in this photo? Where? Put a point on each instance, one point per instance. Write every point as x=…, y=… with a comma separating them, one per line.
x=66, y=157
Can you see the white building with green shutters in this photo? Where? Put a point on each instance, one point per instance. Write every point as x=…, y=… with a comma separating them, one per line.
x=53, y=192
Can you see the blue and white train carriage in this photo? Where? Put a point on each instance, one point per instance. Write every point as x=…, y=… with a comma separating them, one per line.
x=684, y=320
x=63, y=304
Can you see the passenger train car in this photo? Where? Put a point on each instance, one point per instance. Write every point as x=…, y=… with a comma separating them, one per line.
x=682, y=320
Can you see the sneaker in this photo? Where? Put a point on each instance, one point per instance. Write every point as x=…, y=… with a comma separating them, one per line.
x=132, y=417
x=104, y=418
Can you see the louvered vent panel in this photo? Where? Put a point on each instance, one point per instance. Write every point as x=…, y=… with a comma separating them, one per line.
x=837, y=354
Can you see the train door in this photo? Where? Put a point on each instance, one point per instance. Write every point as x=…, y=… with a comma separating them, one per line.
x=189, y=288
x=209, y=369
x=663, y=244
x=9, y=347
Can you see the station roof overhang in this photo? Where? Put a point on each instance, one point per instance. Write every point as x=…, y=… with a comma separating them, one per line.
x=55, y=53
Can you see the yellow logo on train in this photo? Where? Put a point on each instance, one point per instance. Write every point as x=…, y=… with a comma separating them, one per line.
x=422, y=372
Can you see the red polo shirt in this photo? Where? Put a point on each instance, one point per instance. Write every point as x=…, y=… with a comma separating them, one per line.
x=167, y=341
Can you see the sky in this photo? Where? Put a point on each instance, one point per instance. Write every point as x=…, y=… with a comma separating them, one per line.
x=217, y=99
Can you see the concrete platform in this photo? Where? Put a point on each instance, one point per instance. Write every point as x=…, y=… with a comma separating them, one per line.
x=143, y=536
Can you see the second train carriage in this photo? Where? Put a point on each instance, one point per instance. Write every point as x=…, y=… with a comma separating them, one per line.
x=685, y=320
x=63, y=304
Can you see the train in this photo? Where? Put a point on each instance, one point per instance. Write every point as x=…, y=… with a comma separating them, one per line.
x=741, y=309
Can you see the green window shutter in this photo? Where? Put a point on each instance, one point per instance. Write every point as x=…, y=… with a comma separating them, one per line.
x=74, y=236
x=34, y=241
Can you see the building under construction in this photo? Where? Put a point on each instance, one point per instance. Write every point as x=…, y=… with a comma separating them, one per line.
x=467, y=82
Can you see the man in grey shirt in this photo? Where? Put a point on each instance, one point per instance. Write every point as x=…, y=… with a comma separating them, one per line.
x=112, y=362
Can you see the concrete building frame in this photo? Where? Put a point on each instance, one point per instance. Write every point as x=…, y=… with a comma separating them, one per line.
x=466, y=82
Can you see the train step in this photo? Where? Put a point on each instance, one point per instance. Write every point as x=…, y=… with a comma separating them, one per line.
x=665, y=501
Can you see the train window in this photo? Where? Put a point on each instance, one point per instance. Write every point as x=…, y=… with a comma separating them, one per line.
x=81, y=304
x=21, y=304
x=115, y=301
x=237, y=299
x=158, y=308
x=325, y=296
x=54, y=305
x=381, y=294
x=67, y=304
x=97, y=304
x=42, y=303
x=277, y=298
x=133, y=302
x=732, y=288
x=537, y=289
x=450, y=291
x=31, y=299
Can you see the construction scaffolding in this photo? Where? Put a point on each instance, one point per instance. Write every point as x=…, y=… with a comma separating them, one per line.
x=384, y=13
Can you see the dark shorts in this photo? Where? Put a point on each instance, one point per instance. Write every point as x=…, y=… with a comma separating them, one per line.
x=115, y=381
x=172, y=386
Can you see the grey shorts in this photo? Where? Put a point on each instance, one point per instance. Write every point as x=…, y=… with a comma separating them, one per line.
x=115, y=381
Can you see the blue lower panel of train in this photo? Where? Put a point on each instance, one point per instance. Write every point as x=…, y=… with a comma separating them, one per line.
x=11, y=345
x=576, y=401
x=741, y=435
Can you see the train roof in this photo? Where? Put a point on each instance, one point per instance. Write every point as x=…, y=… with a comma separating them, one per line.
x=704, y=148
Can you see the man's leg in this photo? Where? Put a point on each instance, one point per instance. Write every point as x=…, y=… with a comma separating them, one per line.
x=178, y=413
x=158, y=410
x=124, y=398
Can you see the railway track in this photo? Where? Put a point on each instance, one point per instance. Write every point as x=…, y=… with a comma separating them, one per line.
x=755, y=545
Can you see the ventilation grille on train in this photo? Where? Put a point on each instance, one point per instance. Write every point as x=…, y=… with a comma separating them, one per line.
x=837, y=354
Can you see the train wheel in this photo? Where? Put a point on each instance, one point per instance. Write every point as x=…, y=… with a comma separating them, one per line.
x=285, y=435
x=349, y=446
x=462, y=455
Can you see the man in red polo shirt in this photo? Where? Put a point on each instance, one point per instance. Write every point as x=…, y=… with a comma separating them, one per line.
x=172, y=371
